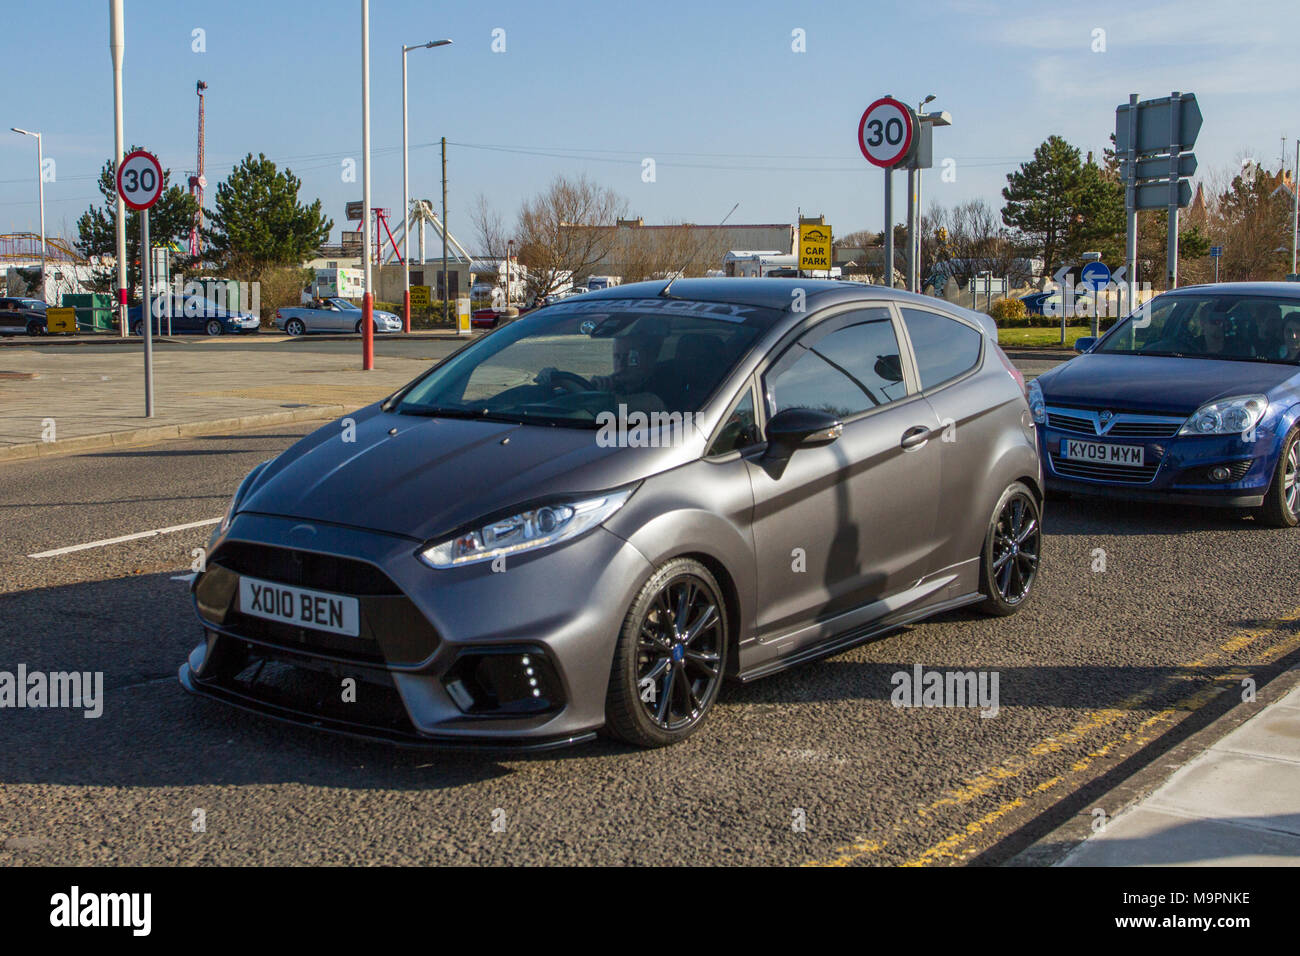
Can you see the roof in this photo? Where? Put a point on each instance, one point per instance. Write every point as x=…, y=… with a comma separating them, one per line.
x=1286, y=290
x=766, y=293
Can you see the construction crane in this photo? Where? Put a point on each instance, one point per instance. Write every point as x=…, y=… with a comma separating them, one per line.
x=198, y=182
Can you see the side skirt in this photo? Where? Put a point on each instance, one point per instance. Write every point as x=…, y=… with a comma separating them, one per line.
x=843, y=642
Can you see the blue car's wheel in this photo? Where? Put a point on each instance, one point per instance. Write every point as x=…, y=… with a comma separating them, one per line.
x=1281, y=507
x=213, y=327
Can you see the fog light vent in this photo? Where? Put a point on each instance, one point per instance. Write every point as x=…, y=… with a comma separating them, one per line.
x=505, y=681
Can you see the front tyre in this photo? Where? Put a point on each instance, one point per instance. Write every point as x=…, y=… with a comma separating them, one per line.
x=1281, y=507
x=669, y=660
x=214, y=327
x=1012, y=550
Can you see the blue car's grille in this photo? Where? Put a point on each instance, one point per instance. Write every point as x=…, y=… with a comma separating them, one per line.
x=1084, y=421
x=1070, y=423
x=1099, y=471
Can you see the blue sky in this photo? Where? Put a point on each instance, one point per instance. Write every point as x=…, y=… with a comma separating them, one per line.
x=711, y=91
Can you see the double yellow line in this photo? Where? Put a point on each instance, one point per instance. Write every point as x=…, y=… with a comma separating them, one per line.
x=952, y=847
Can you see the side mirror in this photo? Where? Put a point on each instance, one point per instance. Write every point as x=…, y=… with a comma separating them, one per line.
x=800, y=428
x=1084, y=344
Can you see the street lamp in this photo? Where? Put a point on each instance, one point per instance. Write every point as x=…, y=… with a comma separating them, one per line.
x=510, y=251
x=406, y=190
x=941, y=118
x=40, y=180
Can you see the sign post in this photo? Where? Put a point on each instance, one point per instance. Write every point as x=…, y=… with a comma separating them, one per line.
x=140, y=184
x=1216, y=253
x=886, y=134
x=1153, y=139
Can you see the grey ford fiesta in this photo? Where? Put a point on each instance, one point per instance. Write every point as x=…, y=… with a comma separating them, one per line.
x=591, y=517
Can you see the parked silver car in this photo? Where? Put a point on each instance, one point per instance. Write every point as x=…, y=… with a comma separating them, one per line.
x=331, y=315
x=590, y=517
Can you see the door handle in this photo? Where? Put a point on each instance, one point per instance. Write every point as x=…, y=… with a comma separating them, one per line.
x=915, y=437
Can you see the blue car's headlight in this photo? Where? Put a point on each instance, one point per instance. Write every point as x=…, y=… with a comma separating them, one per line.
x=529, y=530
x=1227, y=416
x=1037, y=406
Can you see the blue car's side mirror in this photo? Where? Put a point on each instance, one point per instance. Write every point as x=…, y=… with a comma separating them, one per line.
x=1084, y=344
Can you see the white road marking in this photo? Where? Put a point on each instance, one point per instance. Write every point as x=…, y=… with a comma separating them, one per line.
x=125, y=537
x=187, y=578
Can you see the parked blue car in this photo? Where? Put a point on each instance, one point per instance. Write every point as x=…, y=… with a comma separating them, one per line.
x=1193, y=399
x=192, y=315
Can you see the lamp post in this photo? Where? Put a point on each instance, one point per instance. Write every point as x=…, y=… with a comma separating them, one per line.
x=116, y=48
x=367, y=295
x=406, y=190
x=40, y=180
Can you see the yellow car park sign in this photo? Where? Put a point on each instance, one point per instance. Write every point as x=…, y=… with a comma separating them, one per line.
x=814, y=247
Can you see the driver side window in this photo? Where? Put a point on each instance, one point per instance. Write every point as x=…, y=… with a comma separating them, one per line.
x=845, y=372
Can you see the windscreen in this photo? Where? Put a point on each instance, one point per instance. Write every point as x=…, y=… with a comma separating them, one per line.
x=1257, y=328
x=568, y=363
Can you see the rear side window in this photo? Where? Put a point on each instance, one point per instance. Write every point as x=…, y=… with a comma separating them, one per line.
x=944, y=348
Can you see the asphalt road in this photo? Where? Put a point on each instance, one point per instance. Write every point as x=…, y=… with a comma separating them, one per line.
x=1103, y=672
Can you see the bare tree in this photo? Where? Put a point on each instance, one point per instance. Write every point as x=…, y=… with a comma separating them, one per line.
x=566, y=230
x=488, y=228
x=642, y=252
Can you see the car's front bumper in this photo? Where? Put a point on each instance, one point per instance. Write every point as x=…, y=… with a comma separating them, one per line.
x=439, y=650
x=1176, y=469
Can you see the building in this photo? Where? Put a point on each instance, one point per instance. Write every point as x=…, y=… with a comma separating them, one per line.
x=637, y=251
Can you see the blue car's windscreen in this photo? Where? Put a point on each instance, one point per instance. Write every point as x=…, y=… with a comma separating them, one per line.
x=1250, y=328
x=569, y=362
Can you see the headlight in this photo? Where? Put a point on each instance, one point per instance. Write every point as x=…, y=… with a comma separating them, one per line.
x=1037, y=407
x=538, y=527
x=1227, y=416
x=239, y=495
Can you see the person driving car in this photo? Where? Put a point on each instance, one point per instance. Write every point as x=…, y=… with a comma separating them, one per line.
x=1290, y=348
x=634, y=361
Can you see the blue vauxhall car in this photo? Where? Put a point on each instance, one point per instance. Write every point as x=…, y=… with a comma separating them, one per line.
x=1193, y=399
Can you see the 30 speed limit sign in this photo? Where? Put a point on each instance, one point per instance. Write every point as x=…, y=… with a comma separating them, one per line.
x=885, y=132
x=139, y=179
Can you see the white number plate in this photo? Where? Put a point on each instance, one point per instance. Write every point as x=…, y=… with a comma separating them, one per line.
x=319, y=610
x=1102, y=452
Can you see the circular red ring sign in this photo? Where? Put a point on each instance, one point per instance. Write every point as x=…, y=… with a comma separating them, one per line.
x=139, y=179
x=885, y=132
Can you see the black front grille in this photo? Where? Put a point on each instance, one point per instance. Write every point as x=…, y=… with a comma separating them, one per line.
x=313, y=697
x=306, y=569
x=1099, y=471
x=394, y=632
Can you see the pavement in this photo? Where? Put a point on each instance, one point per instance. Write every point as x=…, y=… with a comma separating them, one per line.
x=1234, y=802
x=1111, y=682
x=77, y=394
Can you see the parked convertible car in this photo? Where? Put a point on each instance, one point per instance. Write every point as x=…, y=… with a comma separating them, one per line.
x=1194, y=399
x=194, y=315
x=591, y=517
x=333, y=315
